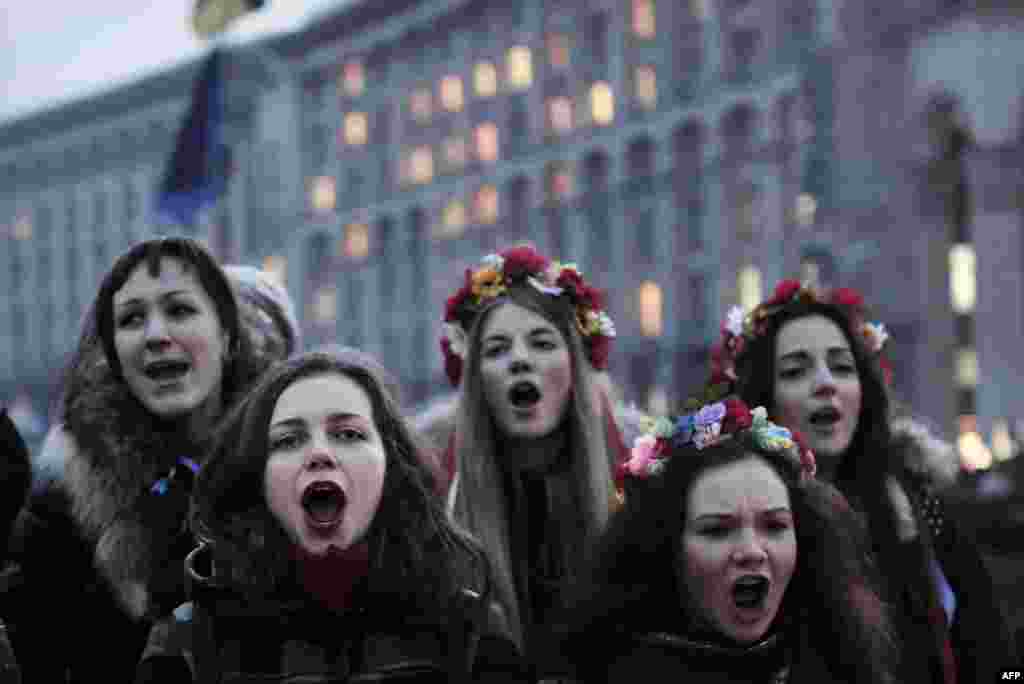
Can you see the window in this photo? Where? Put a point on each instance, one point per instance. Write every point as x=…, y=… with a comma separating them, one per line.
x=700, y=9
x=453, y=221
x=643, y=18
x=1003, y=446
x=451, y=93
x=356, y=244
x=420, y=105
x=745, y=212
x=421, y=165
x=806, y=208
x=650, y=309
x=486, y=142
x=966, y=368
x=322, y=194
x=325, y=305
x=602, y=103
x=560, y=114
x=485, y=79
x=22, y=229
x=748, y=287
x=277, y=268
x=810, y=272
x=558, y=50
x=486, y=205
x=646, y=86
x=963, y=279
x=355, y=128
x=974, y=455
x=353, y=79
x=455, y=152
x=520, y=68
x=559, y=181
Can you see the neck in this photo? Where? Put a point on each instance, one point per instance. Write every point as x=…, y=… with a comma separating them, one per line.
x=534, y=454
x=199, y=421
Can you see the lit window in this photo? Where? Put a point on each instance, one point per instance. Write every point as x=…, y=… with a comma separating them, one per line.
x=325, y=305
x=699, y=9
x=560, y=114
x=748, y=287
x=806, y=208
x=421, y=165
x=486, y=139
x=963, y=279
x=277, y=268
x=485, y=79
x=322, y=195
x=22, y=228
x=966, y=368
x=353, y=79
x=420, y=104
x=560, y=181
x=355, y=128
x=486, y=205
x=451, y=93
x=1003, y=446
x=558, y=50
x=455, y=216
x=810, y=272
x=602, y=103
x=974, y=455
x=646, y=84
x=520, y=68
x=356, y=244
x=455, y=152
x=643, y=18
x=650, y=309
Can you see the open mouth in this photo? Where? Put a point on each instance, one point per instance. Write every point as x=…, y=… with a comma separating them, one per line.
x=165, y=371
x=824, y=417
x=324, y=503
x=524, y=394
x=750, y=591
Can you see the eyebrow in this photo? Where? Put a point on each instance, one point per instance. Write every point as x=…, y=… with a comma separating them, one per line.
x=140, y=300
x=502, y=335
x=730, y=516
x=332, y=418
x=803, y=354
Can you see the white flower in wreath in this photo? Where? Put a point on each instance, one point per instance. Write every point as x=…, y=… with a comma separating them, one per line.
x=734, y=320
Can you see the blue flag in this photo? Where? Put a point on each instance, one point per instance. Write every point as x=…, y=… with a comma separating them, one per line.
x=196, y=174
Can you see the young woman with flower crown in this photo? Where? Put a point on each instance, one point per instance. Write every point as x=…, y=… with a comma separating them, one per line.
x=730, y=562
x=814, y=359
x=535, y=441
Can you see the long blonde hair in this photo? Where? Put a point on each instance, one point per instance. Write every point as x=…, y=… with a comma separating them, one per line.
x=479, y=500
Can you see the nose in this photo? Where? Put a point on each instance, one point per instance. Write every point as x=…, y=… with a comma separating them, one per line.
x=520, y=359
x=319, y=456
x=156, y=333
x=749, y=551
x=824, y=381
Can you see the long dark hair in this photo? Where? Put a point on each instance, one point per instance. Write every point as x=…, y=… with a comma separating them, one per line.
x=417, y=555
x=635, y=584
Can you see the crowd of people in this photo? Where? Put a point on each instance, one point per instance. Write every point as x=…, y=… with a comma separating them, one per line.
x=217, y=504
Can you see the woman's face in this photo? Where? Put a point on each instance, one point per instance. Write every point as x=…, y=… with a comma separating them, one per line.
x=526, y=371
x=169, y=340
x=325, y=470
x=739, y=547
x=817, y=386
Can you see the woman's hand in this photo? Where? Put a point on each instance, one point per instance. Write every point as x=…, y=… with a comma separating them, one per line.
x=906, y=523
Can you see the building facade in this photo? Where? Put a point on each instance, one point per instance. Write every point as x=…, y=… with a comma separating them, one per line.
x=686, y=155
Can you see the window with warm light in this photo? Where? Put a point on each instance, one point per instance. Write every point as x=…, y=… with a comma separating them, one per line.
x=643, y=18
x=322, y=193
x=806, y=208
x=602, y=103
x=454, y=152
x=520, y=67
x=974, y=454
x=353, y=79
x=650, y=309
x=356, y=128
x=1003, y=446
x=22, y=229
x=421, y=105
x=485, y=79
x=748, y=287
x=560, y=114
x=645, y=82
x=421, y=164
x=356, y=244
x=486, y=140
x=325, y=305
x=454, y=217
x=963, y=278
x=558, y=50
x=451, y=93
x=277, y=268
x=486, y=205
x=966, y=368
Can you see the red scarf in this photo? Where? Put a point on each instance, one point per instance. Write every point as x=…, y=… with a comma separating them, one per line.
x=333, y=578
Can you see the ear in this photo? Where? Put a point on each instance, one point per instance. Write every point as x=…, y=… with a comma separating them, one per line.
x=457, y=337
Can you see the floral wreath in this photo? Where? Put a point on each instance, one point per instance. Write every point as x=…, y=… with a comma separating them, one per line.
x=710, y=424
x=523, y=264
x=741, y=327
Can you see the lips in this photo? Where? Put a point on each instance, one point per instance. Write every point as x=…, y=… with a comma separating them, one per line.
x=524, y=394
x=749, y=591
x=824, y=417
x=164, y=371
x=324, y=503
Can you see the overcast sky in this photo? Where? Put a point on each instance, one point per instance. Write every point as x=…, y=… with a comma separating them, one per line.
x=55, y=52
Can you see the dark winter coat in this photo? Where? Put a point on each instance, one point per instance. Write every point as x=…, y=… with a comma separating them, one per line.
x=219, y=636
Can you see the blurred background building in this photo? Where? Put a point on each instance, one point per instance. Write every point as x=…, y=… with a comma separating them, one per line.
x=686, y=154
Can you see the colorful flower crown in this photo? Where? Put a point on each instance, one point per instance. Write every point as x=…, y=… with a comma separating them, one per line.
x=710, y=424
x=523, y=264
x=741, y=327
